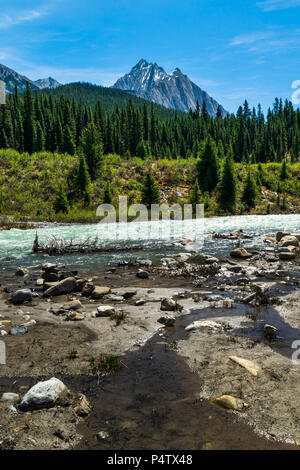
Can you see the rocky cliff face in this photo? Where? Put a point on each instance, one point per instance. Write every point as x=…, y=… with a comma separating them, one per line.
x=174, y=91
x=12, y=78
x=47, y=83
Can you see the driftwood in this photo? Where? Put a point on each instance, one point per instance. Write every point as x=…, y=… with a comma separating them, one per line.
x=58, y=246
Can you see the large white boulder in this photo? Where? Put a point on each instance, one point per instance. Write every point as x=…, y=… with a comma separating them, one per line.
x=43, y=395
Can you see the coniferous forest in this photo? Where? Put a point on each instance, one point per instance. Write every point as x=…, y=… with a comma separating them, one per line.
x=222, y=161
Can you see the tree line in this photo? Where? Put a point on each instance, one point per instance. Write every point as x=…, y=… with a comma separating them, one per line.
x=33, y=123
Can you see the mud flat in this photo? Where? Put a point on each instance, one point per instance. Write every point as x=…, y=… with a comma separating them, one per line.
x=182, y=328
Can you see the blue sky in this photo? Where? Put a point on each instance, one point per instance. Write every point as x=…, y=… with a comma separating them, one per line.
x=234, y=50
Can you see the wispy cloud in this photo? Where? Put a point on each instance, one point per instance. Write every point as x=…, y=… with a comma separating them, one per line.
x=272, y=5
x=250, y=38
x=271, y=42
x=6, y=21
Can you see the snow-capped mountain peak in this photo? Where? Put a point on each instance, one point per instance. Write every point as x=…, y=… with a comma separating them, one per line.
x=176, y=90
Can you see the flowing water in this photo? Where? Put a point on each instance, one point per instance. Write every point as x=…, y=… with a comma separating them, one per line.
x=155, y=237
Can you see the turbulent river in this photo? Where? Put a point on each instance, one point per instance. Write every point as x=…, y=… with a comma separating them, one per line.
x=157, y=238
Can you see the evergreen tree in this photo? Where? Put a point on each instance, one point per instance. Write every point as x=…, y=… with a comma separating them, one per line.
x=30, y=138
x=283, y=172
x=228, y=184
x=208, y=166
x=83, y=181
x=107, y=196
x=150, y=190
x=92, y=148
x=61, y=203
x=141, y=150
x=249, y=191
x=68, y=141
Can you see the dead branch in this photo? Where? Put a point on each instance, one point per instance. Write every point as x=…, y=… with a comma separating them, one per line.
x=59, y=246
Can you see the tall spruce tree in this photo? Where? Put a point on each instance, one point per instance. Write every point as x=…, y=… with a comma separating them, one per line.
x=228, y=184
x=61, y=203
x=91, y=144
x=208, y=166
x=283, y=171
x=150, y=191
x=249, y=191
x=83, y=180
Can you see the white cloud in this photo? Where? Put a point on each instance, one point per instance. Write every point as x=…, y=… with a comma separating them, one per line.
x=272, y=5
x=249, y=38
x=269, y=42
x=6, y=21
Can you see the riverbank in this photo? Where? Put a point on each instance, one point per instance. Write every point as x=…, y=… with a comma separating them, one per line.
x=162, y=397
x=30, y=183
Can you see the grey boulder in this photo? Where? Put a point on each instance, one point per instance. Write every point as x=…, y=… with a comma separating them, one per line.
x=66, y=286
x=21, y=296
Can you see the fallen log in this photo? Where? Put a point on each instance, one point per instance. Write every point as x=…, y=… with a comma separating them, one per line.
x=59, y=246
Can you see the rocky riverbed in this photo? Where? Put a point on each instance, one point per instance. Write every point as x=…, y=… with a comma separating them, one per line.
x=205, y=347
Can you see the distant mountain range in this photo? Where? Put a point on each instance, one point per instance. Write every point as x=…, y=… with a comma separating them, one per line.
x=174, y=91
x=12, y=78
x=145, y=80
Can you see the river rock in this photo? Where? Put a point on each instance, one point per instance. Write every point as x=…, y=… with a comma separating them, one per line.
x=74, y=304
x=186, y=241
x=270, y=332
x=49, y=276
x=168, y=304
x=226, y=401
x=167, y=320
x=87, y=289
x=144, y=262
x=200, y=324
x=64, y=274
x=203, y=259
x=29, y=323
x=140, y=302
x=212, y=297
x=270, y=240
x=280, y=235
x=21, y=330
x=235, y=269
x=168, y=261
x=289, y=240
x=142, y=274
x=63, y=287
x=75, y=316
x=287, y=255
x=8, y=290
x=49, y=267
x=104, y=311
x=83, y=408
x=99, y=292
x=240, y=253
x=21, y=271
x=182, y=257
x=248, y=365
x=10, y=397
x=39, y=282
x=21, y=296
x=43, y=395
